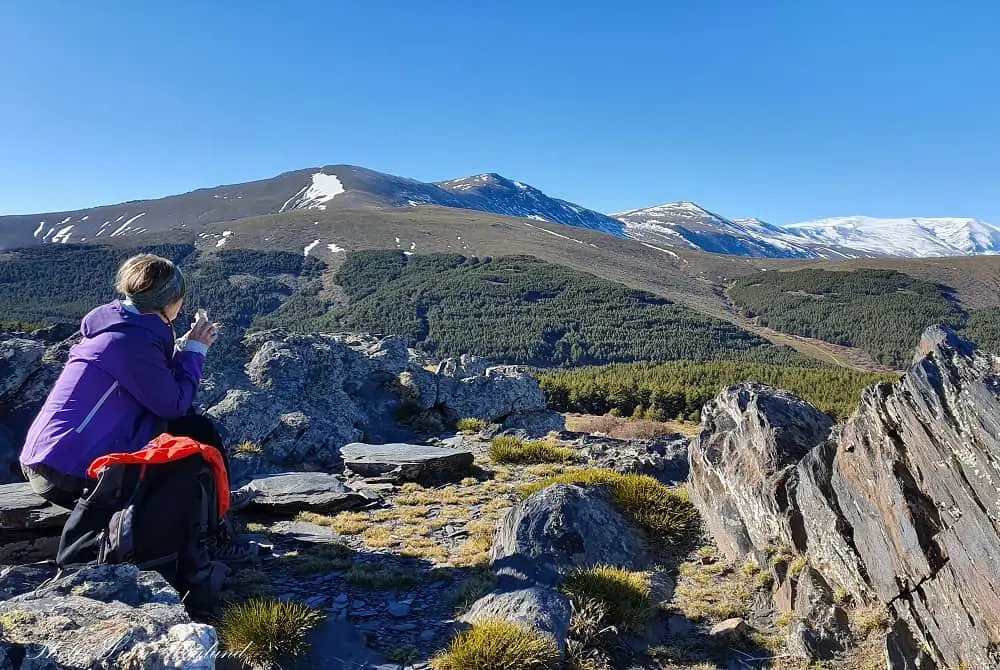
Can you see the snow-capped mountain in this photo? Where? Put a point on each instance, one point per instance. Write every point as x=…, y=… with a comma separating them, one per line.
x=493, y=193
x=686, y=225
x=341, y=188
x=916, y=237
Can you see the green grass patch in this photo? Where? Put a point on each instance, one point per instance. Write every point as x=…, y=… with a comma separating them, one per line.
x=624, y=595
x=370, y=577
x=498, y=645
x=664, y=512
x=321, y=558
x=508, y=449
x=265, y=633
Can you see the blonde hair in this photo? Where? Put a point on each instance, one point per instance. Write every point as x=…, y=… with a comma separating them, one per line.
x=150, y=282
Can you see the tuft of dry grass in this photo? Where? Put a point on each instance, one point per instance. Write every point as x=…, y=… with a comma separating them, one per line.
x=379, y=537
x=425, y=548
x=507, y=449
x=713, y=591
x=322, y=558
x=264, y=633
x=345, y=523
x=248, y=448
x=498, y=645
x=623, y=595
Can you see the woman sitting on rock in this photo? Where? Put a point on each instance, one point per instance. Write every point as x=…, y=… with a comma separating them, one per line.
x=126, y=382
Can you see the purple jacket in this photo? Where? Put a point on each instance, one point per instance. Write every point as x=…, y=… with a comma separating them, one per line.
x=119, y=386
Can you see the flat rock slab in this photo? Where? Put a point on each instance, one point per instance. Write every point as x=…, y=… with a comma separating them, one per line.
x=22, y=509
x=302, y=531
x=407, y=462
x=292, y=492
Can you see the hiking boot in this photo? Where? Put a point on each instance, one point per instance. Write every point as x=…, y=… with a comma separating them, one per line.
x=235, y=552
x=242, y=497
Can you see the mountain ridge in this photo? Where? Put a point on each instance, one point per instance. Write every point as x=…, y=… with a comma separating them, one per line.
x=680, y=225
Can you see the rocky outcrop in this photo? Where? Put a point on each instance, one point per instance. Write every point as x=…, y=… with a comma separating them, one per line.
x=303, y=397
x=28, y=369
x=300, y=398
x=899, y=507
x=111, y=616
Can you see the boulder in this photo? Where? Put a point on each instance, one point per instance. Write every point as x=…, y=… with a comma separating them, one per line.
x=731, y=630
x=541, y=609
x=19, y=358
x=292, y=492
x=407, y=462
x=536, y=424
x=664, y=458
x=106, y=616
x=563, y=527
x=18, y=579
x=897, y=506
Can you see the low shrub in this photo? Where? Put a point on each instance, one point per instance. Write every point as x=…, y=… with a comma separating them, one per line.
x=498, y=645
x=666, y=513
x=507, y=449
x=470, y=425
x=262, y=633
x=624, y=595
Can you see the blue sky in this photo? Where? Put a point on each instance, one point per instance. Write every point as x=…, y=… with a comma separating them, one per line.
x=781, y=110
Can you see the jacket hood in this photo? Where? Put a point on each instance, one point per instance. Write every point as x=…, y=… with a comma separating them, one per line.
x=114, y=317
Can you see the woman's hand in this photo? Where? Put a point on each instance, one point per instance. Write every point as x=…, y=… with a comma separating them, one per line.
x=204, y=332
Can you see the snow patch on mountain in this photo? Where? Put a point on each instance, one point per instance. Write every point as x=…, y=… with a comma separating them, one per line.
x=323, y=189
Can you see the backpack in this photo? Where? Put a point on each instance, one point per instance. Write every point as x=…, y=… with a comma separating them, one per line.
x=160, y=509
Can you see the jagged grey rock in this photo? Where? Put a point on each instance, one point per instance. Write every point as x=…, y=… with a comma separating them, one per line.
x=302, y=397
x=664, y=458
x=901, y=508
x=106, y=616
x=28, y=368
x=292, y=492
x=407, y=462
x=536, y=424
x=743, y=465
x=19, y=358
x=470, y=388
x=29, y=525
x=538, y=608
x=563, y=527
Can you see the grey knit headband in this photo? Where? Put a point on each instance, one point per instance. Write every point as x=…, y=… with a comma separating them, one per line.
x=154, y=300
